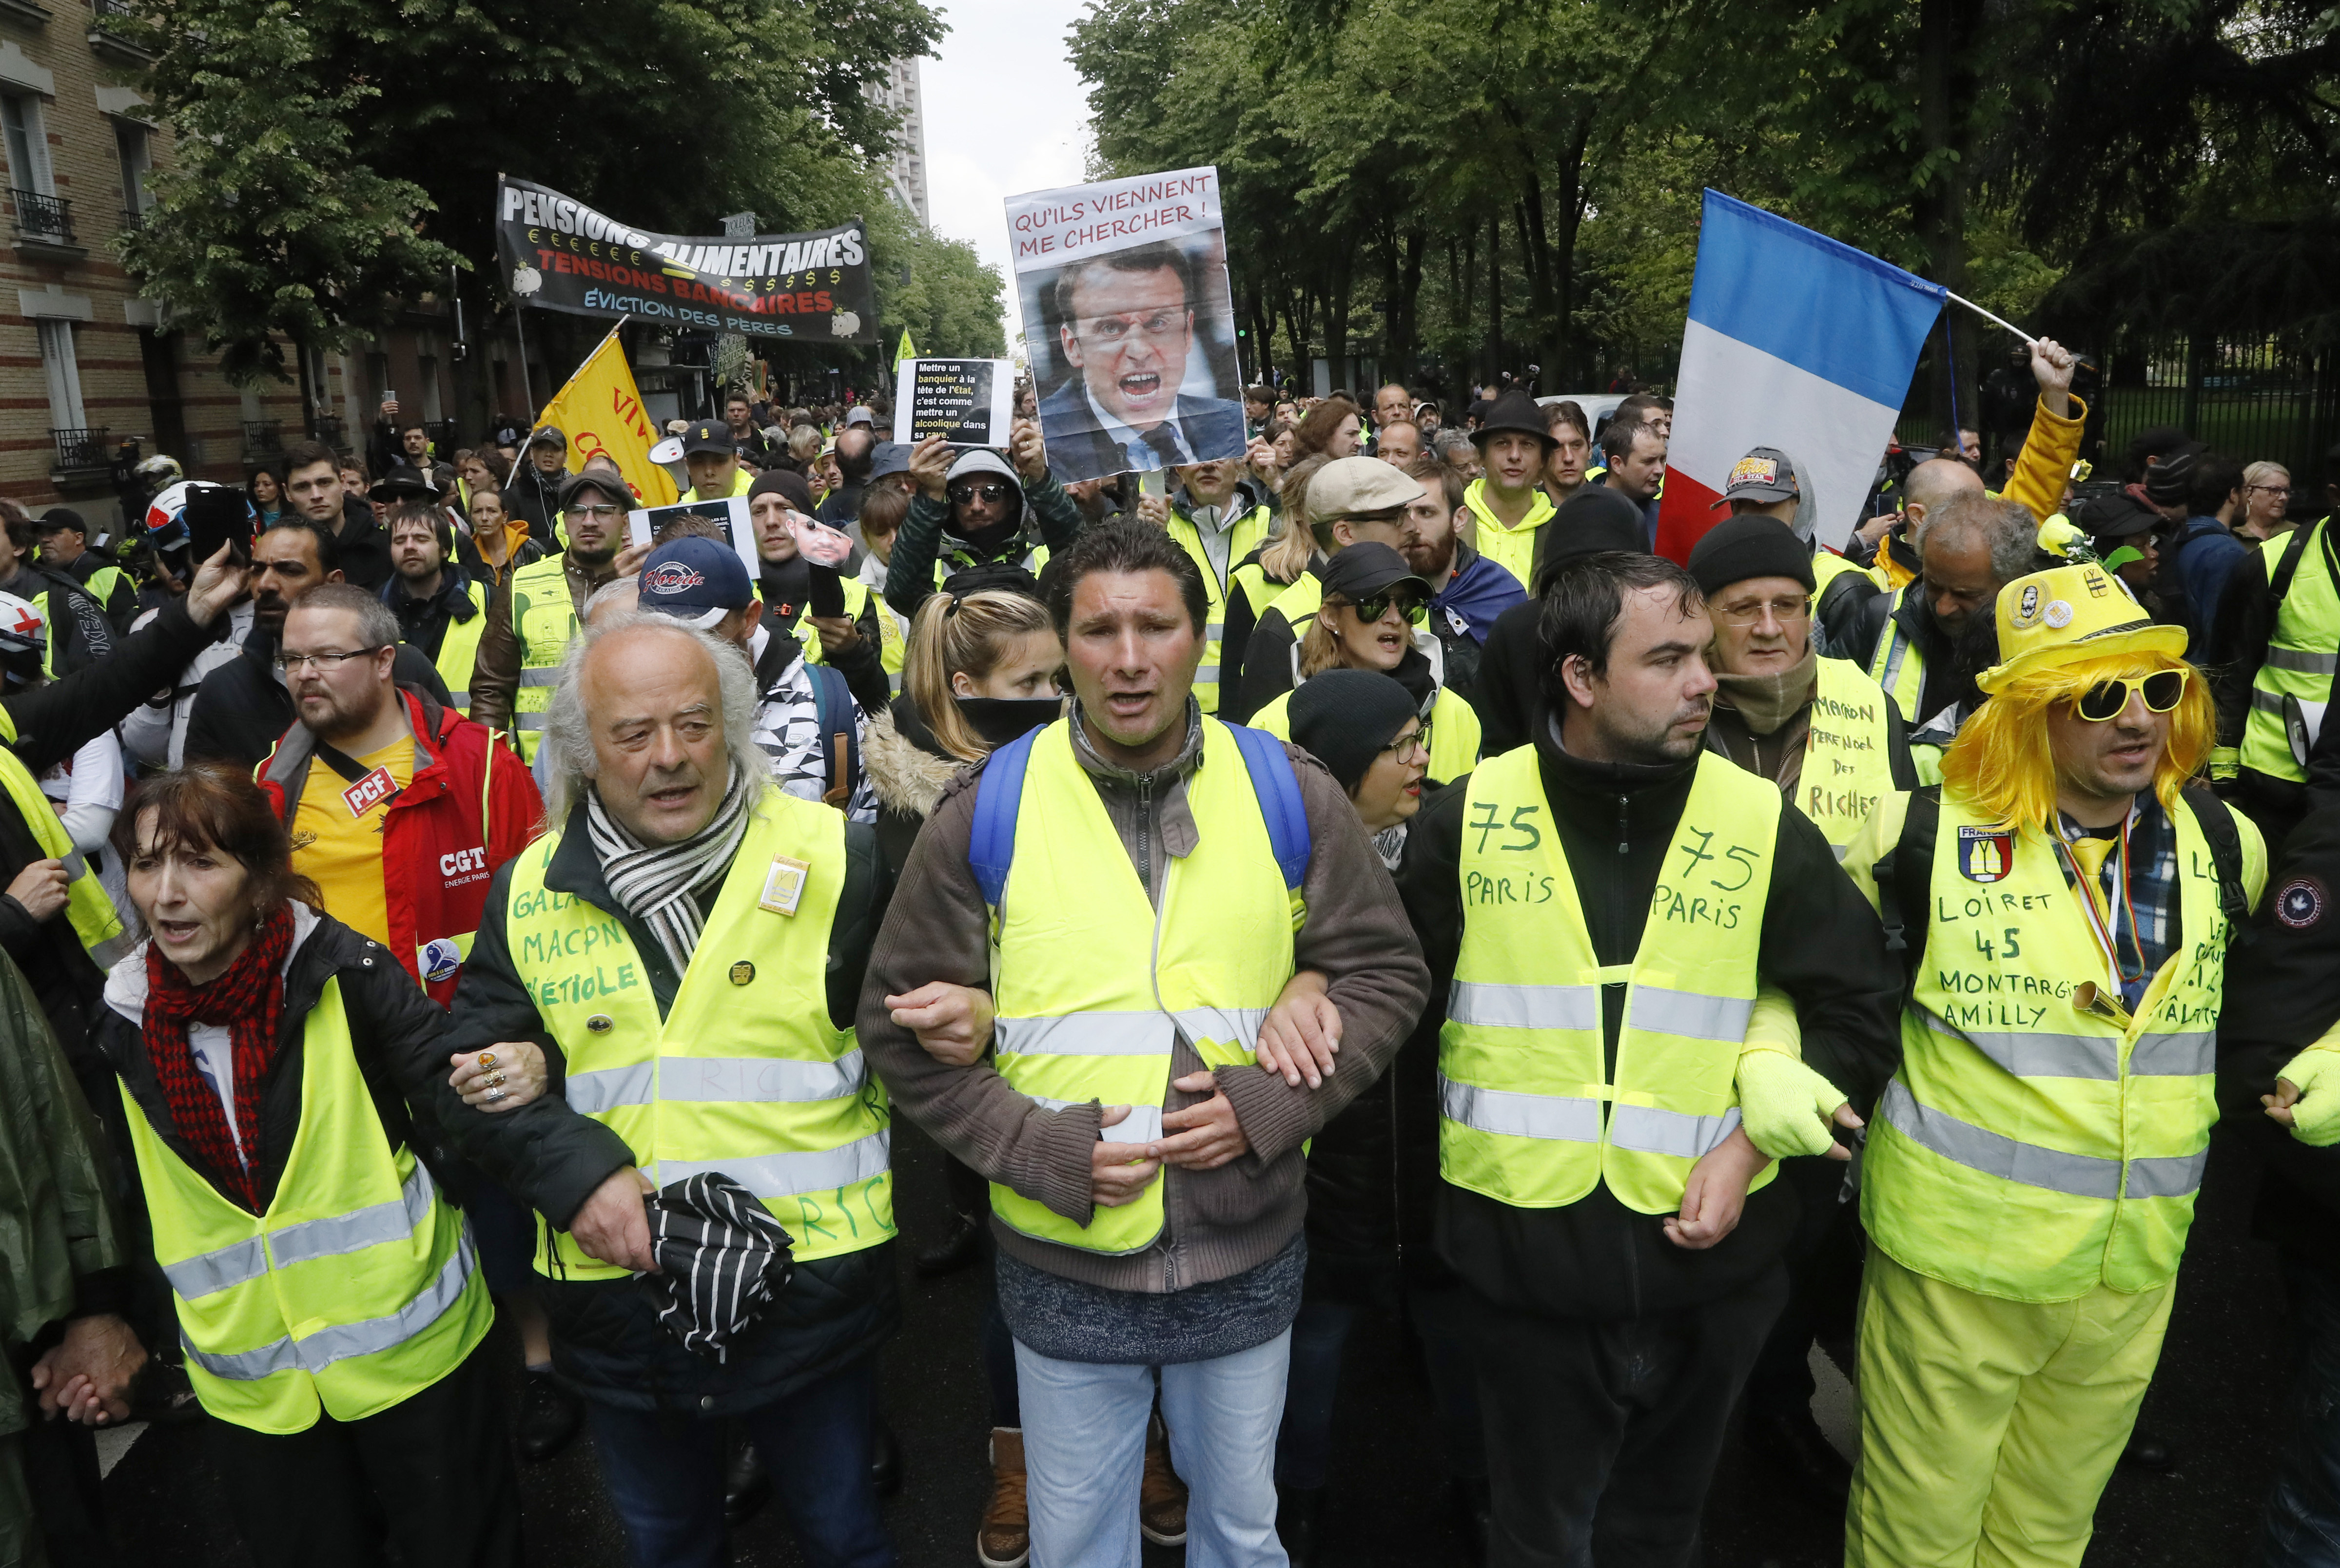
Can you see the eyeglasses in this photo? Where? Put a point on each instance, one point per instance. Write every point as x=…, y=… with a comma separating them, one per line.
x=1405, y=743
x=1370, y=610
x=2109, y=700
x=1158, y=327
x=293, y=663
x=604, y=512
x=963, y=493
x=1796, y=609
x=2271, y=489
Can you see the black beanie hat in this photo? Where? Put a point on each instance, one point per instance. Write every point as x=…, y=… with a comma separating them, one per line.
x=1343, y=719
x=789, y=487
x=1749, y=545
x=1594, y=520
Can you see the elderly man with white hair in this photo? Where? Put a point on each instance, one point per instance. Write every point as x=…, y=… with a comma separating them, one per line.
x=692, y=941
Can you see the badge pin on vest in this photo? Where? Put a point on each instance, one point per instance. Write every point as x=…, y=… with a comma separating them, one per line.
x=784, y=885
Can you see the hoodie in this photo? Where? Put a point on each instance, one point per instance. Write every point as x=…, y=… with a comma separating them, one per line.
x=1041, y=516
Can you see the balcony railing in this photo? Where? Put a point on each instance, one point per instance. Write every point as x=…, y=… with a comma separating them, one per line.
x=43, y=218
x=83, y=450
x=262, y=438
x=331, y=429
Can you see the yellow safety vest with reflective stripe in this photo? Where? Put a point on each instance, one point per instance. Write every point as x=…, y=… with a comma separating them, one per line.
x=1453, y=732
x=1512, y=548
x=2032, y=1149
x=544, y=618
x=459, y=648
x=1897, y=665
x=94, y=919
x=1244, y=536
x=1093, y=986
x=356, y=1290
x=1523, y=1081
x=2302, y=654
x=1299, y=603
x=1828, y=566
x=1848, y=753
x=746, y=1074
x=1259, y=589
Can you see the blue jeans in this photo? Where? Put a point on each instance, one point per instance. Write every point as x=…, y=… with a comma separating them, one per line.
x=2302, y=1525
x=1085, y=1451
x=665, y=1474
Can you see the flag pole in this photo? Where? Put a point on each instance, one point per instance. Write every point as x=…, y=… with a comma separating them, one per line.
x=527, y=387
x=1986, y=315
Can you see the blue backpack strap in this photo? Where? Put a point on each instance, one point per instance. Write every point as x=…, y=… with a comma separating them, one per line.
x=1278, y=789
x=833, y=710
x=991, y=837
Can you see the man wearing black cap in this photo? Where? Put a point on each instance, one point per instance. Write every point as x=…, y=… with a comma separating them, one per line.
x=533, y=493
x=1823, y=732
x=2124, y=534
x=65, y=547
x=530, y=627
x=1508, y=697
x=1508, y=499
x=79, y=632
x=787, y=584
x=712, y=459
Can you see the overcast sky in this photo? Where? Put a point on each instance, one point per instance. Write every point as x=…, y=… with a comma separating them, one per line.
x=1004, y=115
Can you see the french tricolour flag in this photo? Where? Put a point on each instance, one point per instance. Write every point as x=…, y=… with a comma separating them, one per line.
x=1794, y=341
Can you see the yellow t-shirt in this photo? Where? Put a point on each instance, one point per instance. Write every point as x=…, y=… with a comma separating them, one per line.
x=337, y=836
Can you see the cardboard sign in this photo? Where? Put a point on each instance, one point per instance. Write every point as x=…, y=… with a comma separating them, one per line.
x=967, y=402
x=729, y=513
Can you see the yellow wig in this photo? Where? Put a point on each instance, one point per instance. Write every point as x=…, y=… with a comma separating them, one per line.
x=2001, y=760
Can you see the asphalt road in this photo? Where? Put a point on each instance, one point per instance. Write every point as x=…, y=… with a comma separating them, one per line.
x=2217, y=1401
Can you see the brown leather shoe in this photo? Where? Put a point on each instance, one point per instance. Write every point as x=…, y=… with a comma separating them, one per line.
x=1004, y=1538
x=1161, y=1495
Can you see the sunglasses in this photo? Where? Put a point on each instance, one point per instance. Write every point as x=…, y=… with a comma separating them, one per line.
x=1369, y=611
x=966, y=493
x=2108, y=699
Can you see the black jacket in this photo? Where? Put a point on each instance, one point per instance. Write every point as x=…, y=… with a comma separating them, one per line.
x=243, y=708
x=80, y=635
x=422, y=622
x=532, y=494
x=1820, y=943
x=1855, y=622
x=606, y=1333
x=122, y=609
x=362, y=548
x=2283, y=992
x=398, y=1034
x=53, y=722
x=1510, y=697
x=786, y=590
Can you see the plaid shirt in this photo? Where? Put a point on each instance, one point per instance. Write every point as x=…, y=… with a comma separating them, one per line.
x=2153, y=888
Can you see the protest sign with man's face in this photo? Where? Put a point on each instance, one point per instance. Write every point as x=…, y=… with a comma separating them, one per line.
x=1126, y=331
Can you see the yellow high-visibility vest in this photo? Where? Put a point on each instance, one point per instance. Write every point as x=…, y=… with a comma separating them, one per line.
x=1510, y=548
x=1244, y=536
x=544, y=620
x=1529, y=1114
x=94, y=919
x=2294, y=681
x=746, y=1074
x=356, y=1290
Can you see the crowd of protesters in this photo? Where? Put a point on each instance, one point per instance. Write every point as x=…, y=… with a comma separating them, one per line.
x=438, y=905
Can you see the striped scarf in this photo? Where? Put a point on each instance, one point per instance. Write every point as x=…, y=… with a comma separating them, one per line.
x=662, y=884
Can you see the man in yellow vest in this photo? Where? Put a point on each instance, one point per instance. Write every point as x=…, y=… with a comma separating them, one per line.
x=530, y=628
x=2273, y=674
x=1822, y=730
x=1599, y=908
x=1508, y=499
x=692, y=941
x=2063, y=900
x=1131, y=889
x=710, y=455
x=1218, y=518
x=1350, y=500
x=442, y=612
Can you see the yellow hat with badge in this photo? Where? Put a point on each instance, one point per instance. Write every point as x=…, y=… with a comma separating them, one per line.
x=2070, y=612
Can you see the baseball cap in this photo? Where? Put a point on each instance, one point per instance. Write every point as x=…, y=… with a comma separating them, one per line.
x=1348, y=486
x=708, y=435
x=1367, y=568
x=58, y=517
x=608, y=484
x=1765, y=474
x=889, y=457
x=696, y=581
x=549, y=436
x=2115, y=517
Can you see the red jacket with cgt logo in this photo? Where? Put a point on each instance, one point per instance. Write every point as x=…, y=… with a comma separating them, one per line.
x=470, y=807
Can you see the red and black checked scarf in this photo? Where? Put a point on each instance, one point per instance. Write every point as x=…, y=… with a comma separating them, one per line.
x=249, y=999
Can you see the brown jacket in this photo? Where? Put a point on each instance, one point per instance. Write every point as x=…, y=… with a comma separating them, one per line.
x=495, y=675
x=1217, y=1223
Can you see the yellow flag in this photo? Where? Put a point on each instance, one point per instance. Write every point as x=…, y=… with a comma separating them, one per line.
x=601, y=410
x=908, y=351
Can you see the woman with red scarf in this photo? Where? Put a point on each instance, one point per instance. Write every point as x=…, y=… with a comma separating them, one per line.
x=280, y=1075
